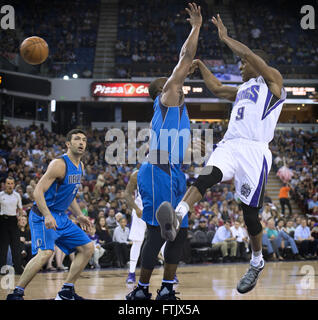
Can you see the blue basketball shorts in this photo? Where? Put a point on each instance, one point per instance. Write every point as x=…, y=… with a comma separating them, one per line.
x=67, y=235
x=159, y=183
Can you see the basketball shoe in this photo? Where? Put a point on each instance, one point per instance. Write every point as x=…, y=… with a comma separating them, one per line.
x=169, y=221
x=249, y=280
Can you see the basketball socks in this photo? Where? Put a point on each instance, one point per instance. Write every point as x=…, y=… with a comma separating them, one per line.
x=182, y=208
x=19, y=290
x=257, y=258
x=68, y=286
x=143, y=286
x=167, y=284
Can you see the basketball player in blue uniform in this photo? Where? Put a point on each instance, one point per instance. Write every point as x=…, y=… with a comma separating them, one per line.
x=49, y=224
x=160, y=178
x=243, y=153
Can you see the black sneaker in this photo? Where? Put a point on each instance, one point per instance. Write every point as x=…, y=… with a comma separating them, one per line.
x=138, y=294
x=165, y=294
x=249, y=280
x=68, y=294
x=15, y=295
x=168, y=220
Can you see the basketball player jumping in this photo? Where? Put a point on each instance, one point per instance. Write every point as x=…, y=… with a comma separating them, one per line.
x=160, y=178
x=138, y=227
x=243, y=152
x=49, y=224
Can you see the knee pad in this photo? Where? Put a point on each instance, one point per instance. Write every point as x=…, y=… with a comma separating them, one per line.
x=251, y=219
x=209, y=176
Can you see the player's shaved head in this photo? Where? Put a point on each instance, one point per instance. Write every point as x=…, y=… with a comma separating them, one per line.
x=262, y=54
x=156, y=87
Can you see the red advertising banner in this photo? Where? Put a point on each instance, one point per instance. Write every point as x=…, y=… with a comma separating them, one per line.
x=119, y=89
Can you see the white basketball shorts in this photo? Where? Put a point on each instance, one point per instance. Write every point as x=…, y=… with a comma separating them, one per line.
x=138, y=228
x=248, y=162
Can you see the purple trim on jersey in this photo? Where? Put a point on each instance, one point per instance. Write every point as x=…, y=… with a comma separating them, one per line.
x=267, y=108
x=261, y=183
x=274, y=107
x=267, y=102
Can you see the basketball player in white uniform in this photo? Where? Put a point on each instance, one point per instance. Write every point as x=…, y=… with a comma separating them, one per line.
x=138, y=226
x=243, y=153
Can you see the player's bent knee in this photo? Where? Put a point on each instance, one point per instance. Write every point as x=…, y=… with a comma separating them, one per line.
x=209, y=176
x=44, y=255
x=251, y=219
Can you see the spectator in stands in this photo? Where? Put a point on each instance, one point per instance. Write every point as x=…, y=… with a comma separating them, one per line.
x=307, y=244
x=272, y=234
x=271, y=256
x=213, y=223
x=25, y=239
x=224, y=240
x=284, y=198
x=313, y=205
x=122, y=244
x=98, y=251
x=284, y=240
x=111, y=220
x=290, y=229
x=241, y=239
x=228, y=195
x=266, y=214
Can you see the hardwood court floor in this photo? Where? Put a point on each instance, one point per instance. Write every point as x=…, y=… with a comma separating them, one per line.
x=279, y=281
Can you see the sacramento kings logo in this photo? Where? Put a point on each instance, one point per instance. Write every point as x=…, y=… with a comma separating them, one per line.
x=245, y=190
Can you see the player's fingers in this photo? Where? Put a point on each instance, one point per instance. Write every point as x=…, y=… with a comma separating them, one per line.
x=194, y=6
x=199, y=10
x=188, y=10
x=191, y=6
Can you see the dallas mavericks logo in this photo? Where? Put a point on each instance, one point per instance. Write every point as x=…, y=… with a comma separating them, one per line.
x=245, y=190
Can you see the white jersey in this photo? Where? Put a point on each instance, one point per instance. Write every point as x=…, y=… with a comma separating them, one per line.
x=255, y=112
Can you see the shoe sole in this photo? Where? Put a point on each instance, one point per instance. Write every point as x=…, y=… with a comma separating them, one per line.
x=250, y=288
x=166, y=218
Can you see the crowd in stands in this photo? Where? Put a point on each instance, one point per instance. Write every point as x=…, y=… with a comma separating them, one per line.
x=216, y=223
x=146, y=35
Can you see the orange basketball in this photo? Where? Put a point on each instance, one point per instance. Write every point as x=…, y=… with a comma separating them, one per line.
x=34, y=50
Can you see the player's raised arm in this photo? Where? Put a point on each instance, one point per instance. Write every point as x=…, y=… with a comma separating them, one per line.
x=170, y=93
x=55, y=170
x=130, y=188
x=213, y=83
x=272, y=76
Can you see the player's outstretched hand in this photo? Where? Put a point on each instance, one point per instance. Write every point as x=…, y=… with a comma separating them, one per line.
x=84, y=222
x=194, y=66
x=194, y=12
x=221, y=27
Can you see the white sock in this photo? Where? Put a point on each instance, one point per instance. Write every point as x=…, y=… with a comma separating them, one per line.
x=134, y=255
x=183, y=208
x=256, y=259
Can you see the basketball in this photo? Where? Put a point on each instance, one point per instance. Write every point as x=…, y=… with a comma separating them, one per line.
x=34, y=50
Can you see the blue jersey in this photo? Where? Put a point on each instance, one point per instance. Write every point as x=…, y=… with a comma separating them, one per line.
x=164, y=181
x=63, y=191
x=170, y=130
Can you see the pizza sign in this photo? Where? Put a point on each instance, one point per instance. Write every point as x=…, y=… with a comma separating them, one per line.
x=109, y=89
